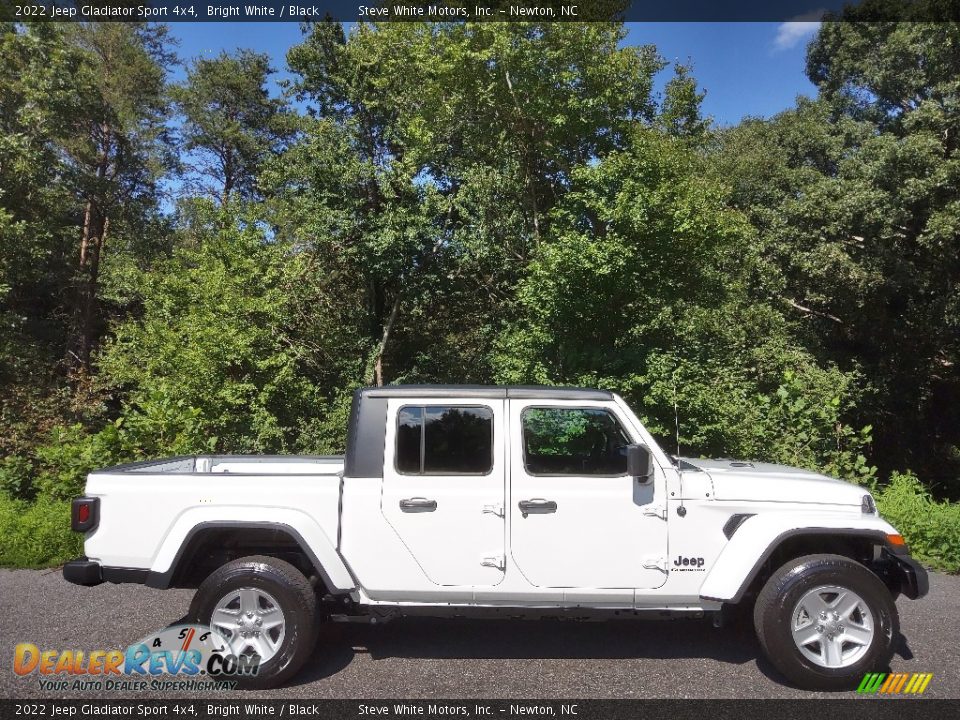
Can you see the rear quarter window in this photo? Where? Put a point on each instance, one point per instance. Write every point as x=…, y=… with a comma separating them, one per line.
x=444, y=440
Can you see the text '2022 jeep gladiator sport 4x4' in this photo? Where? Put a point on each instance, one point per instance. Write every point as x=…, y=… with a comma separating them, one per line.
x=504, y=501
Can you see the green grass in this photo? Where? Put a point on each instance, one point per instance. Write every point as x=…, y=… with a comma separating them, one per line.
x=36, y=534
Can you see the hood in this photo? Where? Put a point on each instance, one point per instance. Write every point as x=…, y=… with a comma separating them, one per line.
x=766, y=482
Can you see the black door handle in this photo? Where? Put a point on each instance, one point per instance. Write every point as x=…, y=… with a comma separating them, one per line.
x=537, y=505
x=418, y=504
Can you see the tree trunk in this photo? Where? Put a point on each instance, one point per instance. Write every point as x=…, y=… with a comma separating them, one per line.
x=528, y=170
x=95, y=234
x=377, y=375
x=228, y=178
x=85, y=238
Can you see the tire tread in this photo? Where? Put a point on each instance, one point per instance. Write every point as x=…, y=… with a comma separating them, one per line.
x=767, y=621
x=275, y=570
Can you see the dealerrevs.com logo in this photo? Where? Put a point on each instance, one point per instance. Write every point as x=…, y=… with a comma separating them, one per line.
x=198, y=657
x=895, y=683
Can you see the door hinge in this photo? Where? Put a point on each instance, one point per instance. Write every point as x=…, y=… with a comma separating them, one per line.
x=499, y=562
x=655, y=563
x=493, y=510
x=656, y=511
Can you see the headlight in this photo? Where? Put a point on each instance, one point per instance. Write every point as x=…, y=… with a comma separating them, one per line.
x=868, y=506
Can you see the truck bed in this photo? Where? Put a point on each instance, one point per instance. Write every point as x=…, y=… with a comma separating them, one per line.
x=246, y=464
x=163, y=500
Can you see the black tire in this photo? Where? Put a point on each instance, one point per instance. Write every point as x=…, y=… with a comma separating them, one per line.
x=293, y=593
x=772, y=618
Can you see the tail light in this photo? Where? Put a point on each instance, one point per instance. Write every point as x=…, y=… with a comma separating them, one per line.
x=85, y=514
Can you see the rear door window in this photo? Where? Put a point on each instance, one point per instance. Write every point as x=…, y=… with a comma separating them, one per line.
x=444, y=440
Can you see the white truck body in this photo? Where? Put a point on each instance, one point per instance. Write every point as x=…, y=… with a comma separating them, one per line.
x=509, y=501
x=612, y=542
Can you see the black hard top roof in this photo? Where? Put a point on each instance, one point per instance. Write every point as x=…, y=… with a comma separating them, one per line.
x=525, y=392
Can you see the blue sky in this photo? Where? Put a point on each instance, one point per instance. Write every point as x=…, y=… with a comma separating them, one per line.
x=746, y=68
x=752, y=69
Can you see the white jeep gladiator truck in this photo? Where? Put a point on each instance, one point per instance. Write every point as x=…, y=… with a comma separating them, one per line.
x=503, y=501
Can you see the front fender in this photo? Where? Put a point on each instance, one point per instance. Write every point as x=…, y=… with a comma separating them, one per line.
x=299, y=525
x=758, y=536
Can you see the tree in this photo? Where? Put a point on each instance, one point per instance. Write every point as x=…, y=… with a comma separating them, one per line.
x=114, y=149
x=451, y=143
x=680, y=112
x=857, y=202
x=214, y=362
x=231, y=124
x=76, y=159
x=643, y=290
x=38, y=224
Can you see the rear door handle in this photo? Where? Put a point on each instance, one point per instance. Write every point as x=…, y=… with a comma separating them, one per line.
x=418, y=504
x=537, y=505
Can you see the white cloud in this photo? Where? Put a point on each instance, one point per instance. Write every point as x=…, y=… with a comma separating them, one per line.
x=796, y=30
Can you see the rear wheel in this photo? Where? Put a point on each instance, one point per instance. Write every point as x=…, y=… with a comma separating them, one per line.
x=825, y=621
x=261, y=606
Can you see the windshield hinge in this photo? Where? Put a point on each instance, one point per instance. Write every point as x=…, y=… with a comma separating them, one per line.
x=499, y=562
x=493, y=510
x=655, y=563
x=656, y=511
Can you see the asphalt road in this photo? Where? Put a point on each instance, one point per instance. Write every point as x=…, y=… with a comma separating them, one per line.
x=426, y=658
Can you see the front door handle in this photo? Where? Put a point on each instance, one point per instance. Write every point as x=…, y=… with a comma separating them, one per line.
x=418, y=504
x=537, y=505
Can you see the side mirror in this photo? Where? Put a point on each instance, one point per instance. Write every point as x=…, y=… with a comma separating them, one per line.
x=640, y=463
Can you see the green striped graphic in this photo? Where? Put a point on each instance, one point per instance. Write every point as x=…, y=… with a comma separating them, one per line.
x=895, y=683
x=871, y=682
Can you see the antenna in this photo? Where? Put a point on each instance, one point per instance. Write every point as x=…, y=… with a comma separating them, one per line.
x=676, y=415
x=682, y=510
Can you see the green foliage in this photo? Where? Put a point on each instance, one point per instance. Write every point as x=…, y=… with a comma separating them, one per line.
x=640, y=244
x=680, y=114
x=931, y=529
x=476, y=202
x=325, y=432
x=37, y=534
x=231, y=124
x=38, y=209
x=430, y=175
x=856, y=199
x=643, y=290
x=71, y=453
x=211, y=362
x=57, y=469
x=806, y=433
x=16, y=478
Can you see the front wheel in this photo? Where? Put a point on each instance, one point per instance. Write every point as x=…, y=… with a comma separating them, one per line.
x=825, y=621
x=261, y=606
